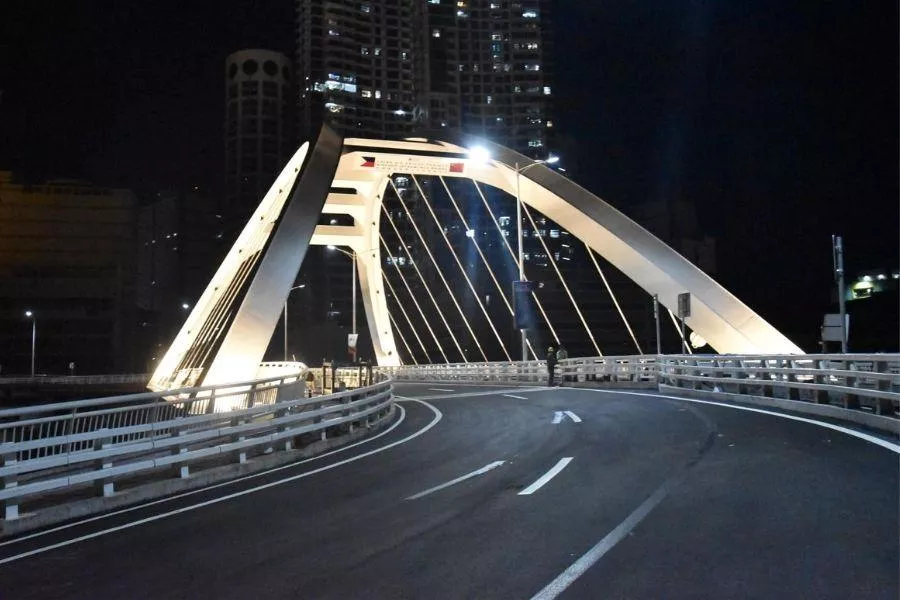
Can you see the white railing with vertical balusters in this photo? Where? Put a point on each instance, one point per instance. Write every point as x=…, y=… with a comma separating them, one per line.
x=51, y=447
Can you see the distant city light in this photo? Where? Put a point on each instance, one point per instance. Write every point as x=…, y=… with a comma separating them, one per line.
x=552, y=160
x=28, y=313
x=185, y=305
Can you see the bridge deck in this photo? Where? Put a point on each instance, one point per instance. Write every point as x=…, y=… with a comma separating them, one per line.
x=660, y=498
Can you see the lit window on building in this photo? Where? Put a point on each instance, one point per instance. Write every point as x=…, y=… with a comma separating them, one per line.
x=435, y=33
x=554, y=233
x=529, y=14
x=546, y=90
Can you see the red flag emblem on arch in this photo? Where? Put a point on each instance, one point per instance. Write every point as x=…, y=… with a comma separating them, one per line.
x=457, y=167
x=368, y=161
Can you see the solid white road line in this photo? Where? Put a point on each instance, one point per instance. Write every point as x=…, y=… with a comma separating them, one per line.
x=440, y=390
x=557, y=417
x=437, y=417
x=209, y=487
x=857, y=434
x=577, y=569
x=546, y=477
x=480, y=471
x=573, y=416
x=516, y=397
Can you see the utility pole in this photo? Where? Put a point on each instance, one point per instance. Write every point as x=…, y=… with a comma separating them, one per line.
x=837, y=255
x=656, y=318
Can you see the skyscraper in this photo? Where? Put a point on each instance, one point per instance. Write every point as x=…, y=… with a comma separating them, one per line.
x=258, y=129
x=360, y=65
x=489, y=63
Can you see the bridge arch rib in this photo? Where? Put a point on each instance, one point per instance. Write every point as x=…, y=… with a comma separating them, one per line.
x=226, y=335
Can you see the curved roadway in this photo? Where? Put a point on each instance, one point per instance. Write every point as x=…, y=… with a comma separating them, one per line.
x=512, y=493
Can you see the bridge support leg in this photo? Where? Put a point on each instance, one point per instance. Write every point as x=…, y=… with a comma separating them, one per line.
x=10, y=505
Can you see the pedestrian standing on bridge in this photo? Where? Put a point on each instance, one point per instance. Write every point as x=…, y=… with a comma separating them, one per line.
x=561, y=355
x=551, y=365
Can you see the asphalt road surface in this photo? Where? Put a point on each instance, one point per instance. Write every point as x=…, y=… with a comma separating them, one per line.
x=512, y=493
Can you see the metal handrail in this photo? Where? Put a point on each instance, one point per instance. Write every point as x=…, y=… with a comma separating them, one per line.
x=103, y=439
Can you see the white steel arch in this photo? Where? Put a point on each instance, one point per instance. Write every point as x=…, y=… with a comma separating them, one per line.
x=358, y=170
x=728, y=324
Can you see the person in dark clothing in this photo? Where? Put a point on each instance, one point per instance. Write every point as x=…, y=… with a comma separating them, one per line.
x=562, y=354
x=551, y=365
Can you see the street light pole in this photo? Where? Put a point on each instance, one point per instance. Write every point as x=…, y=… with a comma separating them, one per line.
x=31, y=316
x=523, y=333
x=353, y=258
x=296, y=287
x=519, y=171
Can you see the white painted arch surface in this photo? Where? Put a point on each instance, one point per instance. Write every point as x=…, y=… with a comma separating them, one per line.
x=226, y=334
x=728, y=324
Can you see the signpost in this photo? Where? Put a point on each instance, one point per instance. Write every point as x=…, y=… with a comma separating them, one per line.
x=684, y=311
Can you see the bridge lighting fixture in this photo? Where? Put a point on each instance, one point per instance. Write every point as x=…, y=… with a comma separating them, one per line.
x=479, y=154
x=30, y=315
x=185, y=305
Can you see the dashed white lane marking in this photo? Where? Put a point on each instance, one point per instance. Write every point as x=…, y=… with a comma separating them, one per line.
x=440, y=390
x=516, y=397
x=573, y=416
x=546, y=477
x=557, y=417
x=437, y=417
x=475, y=473
x=577, y=569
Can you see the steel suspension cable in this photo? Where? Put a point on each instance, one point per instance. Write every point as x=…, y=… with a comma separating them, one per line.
x=484, y=259
x=684, y=343
x=512, y=254
x=405, y=314
x=411, y=295
x=402, y=339
x=614, y=299
x=461, y=269
x=442, y=278
x=561, y=278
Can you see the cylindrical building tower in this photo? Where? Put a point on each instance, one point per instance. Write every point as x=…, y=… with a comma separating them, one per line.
x=258, y=132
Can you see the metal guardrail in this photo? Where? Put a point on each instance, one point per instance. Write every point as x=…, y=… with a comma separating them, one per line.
x=128, y=378
x=572, y=370
x=861, y=384
x=54, y=446
x=853, y=381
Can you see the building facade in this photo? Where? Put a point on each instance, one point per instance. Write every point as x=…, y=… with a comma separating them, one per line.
x=490, y=71
x=360, y=66
x=67, y=253
x=259, y=136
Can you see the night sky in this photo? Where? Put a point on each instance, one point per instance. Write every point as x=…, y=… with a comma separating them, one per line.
x=779, y=119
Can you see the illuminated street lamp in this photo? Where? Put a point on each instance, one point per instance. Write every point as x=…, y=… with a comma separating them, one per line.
x=519, y=170
x=31, y=316
x=352, y=256
x=296, y=287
